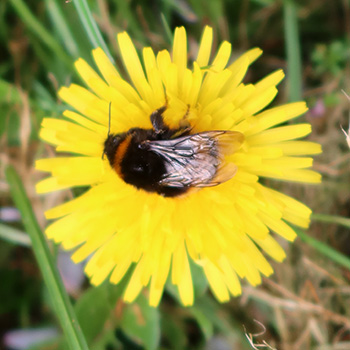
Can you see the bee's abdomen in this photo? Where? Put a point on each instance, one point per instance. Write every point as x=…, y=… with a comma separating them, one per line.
x=140, y=167
x=119, y=155
x=145, y=169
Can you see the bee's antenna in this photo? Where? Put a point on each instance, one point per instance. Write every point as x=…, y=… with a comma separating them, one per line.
x=109, y=127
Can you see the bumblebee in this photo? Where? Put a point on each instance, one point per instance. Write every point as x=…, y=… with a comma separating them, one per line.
x=170, y=161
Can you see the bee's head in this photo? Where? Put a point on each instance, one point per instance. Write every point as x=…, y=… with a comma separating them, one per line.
x=111, y=145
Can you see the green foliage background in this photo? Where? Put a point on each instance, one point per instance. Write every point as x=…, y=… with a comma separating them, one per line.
x=305, y=305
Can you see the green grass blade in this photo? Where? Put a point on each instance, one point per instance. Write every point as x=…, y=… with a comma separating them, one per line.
x=294, y=73
x=12, y=235
x=39, y=30
x=331, y=219
x=91, y=27
x=62, y=28
x=134, y=25
x=61, y=302
x=324, y=249
x=9, y=92
x=168, y=33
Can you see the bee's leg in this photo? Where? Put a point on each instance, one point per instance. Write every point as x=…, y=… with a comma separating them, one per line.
x=158, y=121
x=182, y=131
x=185, y=125
x=184, y=118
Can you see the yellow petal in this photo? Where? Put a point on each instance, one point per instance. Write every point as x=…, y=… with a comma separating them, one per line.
x=88, y=124
x=185, y=285
x=258, y=101
x=101, y=274
x=250, y=55
x=298, y=148
x=287, y=163
x=283, y=133
x=222, y=57
x=296, y=175
x=180, y=51
x=216, y=282
x=91, y=78
x=271, y=80
x=154, y=76
x=133, y=66
x=119, y=271
x=272, y=248
x=74, y=171
x=49, y=185
x=85, y=102
x=230, y=277
x=205, y=47
x=279, y=227
x=134, y=287
x=277, y=115
x=105, y=66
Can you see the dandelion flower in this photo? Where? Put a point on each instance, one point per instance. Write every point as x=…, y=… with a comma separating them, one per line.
x=225, y=229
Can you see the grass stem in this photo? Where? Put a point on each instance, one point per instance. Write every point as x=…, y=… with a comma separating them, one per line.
x=52, y=279
x=91, y=27
x=292, y=50
x=324, y=249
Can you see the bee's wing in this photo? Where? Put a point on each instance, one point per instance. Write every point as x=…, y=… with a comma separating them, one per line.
x=198, y=160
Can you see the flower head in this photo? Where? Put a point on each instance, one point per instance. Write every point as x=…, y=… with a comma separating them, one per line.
x=225, y=228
